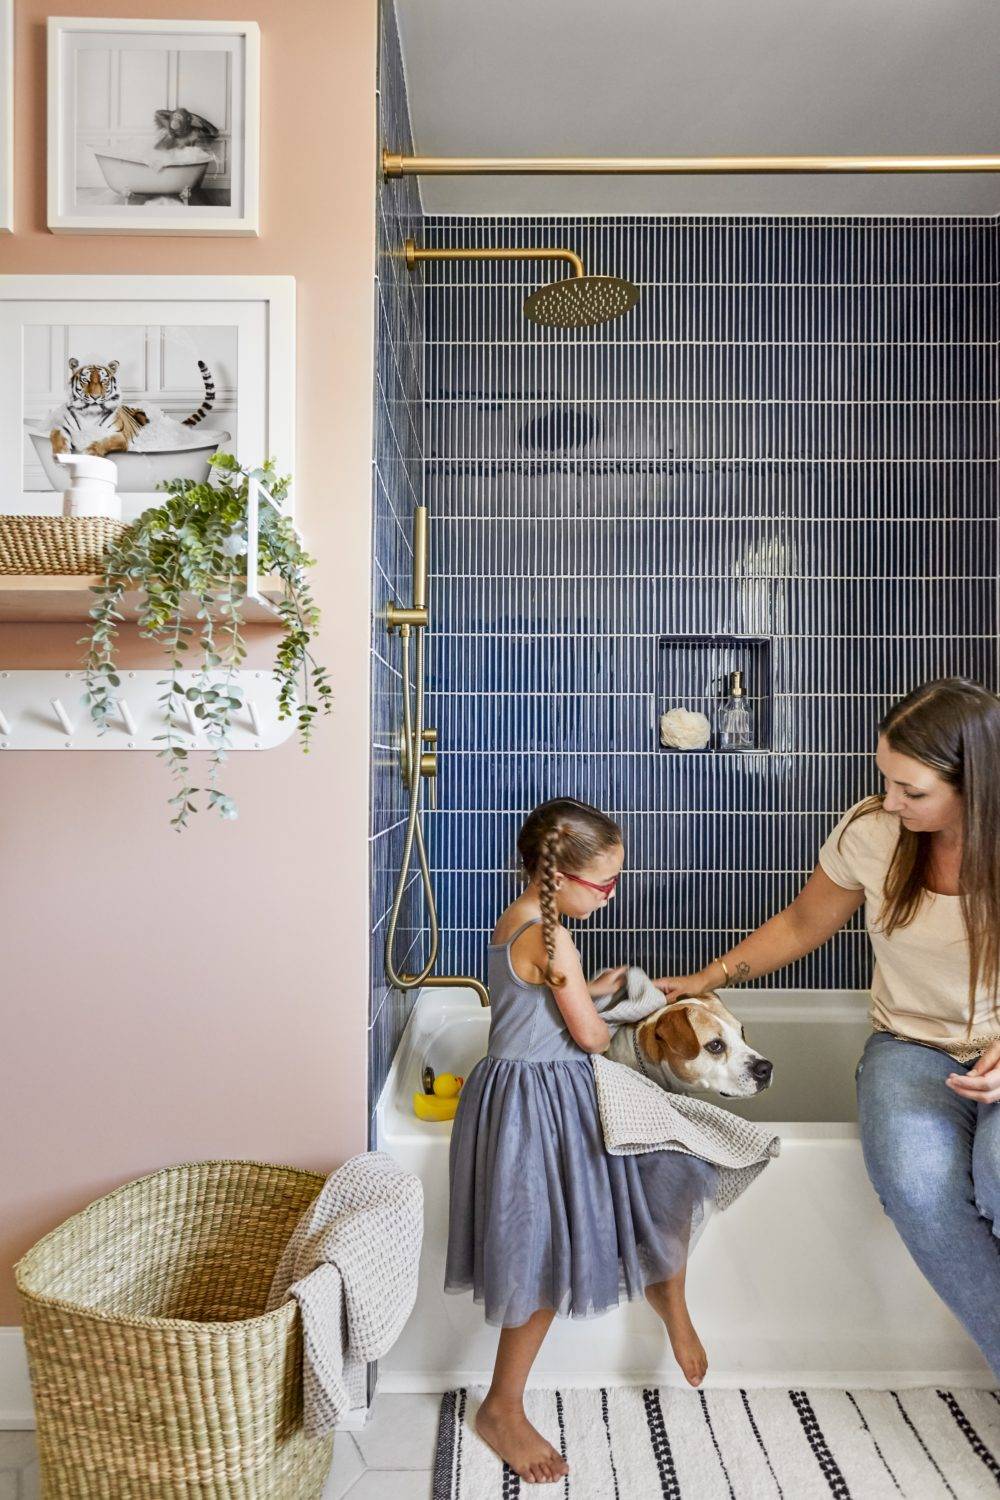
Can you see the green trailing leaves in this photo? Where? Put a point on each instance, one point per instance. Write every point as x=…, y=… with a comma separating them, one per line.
x=194, y=544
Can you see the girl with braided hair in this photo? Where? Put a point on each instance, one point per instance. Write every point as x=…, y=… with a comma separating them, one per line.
x=543, y=1221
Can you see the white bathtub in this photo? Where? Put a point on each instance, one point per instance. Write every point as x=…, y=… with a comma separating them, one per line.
x=803, y=1281
x=139, y=472
x=176, y=180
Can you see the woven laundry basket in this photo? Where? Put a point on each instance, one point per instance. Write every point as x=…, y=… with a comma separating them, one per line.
x=55, y=544
x=154, y=1372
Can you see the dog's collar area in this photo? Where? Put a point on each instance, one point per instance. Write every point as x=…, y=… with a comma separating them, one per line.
x=641, y=1063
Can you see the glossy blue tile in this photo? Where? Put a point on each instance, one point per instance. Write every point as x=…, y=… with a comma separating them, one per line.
x=794, y=435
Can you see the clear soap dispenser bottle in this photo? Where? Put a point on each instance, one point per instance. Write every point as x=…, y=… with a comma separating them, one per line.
x=735, y=724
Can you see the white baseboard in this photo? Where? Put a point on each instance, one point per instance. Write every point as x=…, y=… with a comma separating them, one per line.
x=16, y=1411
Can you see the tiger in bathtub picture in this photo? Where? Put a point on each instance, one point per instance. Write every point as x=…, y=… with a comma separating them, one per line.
x=95, y=417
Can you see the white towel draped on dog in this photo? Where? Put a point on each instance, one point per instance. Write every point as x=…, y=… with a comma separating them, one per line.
x=637, y=1115
x=351, y=1264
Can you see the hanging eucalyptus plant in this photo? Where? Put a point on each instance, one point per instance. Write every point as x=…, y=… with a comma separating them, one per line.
x=195, y=545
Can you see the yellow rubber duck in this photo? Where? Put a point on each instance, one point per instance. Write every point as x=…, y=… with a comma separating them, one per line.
x=442, y=1104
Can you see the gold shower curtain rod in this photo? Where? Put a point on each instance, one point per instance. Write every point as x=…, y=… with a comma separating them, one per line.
x=394, y=164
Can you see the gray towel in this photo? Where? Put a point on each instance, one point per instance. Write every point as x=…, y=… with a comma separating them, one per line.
x=639, y=1115
x=634, y=1001
x=351, y=1264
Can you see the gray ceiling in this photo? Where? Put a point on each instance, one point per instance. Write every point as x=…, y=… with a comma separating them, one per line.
x=700, y=78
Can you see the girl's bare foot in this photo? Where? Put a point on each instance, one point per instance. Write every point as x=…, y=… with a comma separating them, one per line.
x=504, y=1426
x=689, y=1351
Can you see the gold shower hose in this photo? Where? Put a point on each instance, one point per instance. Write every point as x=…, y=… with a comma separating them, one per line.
x=411, y=624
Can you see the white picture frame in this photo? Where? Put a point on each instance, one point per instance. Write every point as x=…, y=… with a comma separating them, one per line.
x=153, y=126
x=6, y=116
x=155, y=328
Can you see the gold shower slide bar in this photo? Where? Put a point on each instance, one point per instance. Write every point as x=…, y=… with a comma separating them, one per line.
x=394, y=164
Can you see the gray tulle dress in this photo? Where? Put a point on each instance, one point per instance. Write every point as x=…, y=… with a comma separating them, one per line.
x=540, y=1215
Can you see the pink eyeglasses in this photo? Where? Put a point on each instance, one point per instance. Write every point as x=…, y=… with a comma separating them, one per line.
x=606, y=888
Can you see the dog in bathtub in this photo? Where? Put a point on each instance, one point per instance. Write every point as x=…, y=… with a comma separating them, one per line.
x=691, y=1045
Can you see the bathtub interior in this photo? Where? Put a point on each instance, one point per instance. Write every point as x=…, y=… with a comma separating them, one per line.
x=813, y=1037
x=803, y=1281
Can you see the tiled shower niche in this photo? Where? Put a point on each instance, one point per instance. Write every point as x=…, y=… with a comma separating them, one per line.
x=791, y=438
x=694, y=673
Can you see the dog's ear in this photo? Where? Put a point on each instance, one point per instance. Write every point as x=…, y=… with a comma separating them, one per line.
x=674, y=1033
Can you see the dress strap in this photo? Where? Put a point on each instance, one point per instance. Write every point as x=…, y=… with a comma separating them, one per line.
x=531, y=922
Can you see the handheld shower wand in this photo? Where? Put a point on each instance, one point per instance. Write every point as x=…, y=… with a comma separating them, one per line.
x=417, y=763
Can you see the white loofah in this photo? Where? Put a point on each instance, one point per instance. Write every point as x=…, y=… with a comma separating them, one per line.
x=684, y=730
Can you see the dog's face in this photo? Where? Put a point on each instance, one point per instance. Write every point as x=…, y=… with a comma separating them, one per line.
x=701, y=1046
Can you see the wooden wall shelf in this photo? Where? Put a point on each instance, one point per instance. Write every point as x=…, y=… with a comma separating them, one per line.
x=49, y=600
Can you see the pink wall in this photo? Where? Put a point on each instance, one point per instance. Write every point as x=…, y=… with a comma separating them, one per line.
x=172, y=997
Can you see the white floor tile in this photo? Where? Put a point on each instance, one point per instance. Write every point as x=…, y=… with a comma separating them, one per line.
x=348, y=1466
x=9, y=1484
x=401, y=1432
x=31, y=1484
x=17, y=1449
x=393, y=1484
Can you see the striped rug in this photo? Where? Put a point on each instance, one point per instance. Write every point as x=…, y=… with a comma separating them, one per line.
x=667, y=1444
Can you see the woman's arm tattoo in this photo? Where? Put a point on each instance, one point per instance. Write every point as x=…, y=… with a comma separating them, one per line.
x=742, y=971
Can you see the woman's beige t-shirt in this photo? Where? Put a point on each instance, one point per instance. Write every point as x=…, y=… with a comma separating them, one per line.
x=920, y=987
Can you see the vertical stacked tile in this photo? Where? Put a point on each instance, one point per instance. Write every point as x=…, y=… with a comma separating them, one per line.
x=792, y=436
x=396, y=479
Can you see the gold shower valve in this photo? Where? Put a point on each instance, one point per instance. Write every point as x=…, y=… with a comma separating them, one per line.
x=429, y=763
x=430, y=735
x=398, y=618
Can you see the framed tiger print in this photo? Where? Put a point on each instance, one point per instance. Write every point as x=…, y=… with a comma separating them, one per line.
x=157, y=373
x=6, y=116
x=153, y=126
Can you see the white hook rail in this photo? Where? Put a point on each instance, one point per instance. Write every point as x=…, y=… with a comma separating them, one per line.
x=47, y=710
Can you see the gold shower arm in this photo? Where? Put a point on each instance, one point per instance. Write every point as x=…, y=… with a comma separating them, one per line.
x=394, y=164
x=415, y=254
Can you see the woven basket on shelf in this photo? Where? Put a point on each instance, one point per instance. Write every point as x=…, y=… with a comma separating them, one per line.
x=55, y=544
x=154, y=1372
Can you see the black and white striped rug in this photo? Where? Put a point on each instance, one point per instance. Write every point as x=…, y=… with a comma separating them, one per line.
x=667, y=1444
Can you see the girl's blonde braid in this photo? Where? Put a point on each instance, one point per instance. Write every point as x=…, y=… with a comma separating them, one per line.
x=547, y=876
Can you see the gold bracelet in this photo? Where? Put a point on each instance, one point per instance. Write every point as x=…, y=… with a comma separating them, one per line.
x=722, y=964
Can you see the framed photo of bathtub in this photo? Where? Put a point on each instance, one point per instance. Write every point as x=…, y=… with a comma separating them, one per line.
x=157, y=373
x=154, y=126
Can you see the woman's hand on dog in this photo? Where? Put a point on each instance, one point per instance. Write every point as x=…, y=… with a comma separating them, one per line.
x=982, y=1082
x=607, y=982
x=675, y=987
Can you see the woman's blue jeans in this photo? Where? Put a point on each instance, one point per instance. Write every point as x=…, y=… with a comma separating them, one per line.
x=934, y=1160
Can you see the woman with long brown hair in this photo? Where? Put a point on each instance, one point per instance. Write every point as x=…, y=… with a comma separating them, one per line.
x=924, y=858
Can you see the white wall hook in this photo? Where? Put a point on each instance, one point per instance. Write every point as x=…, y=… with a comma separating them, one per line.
x=39, y=712
x=62, y=715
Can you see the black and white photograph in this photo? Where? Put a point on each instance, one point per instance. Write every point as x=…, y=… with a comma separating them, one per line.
x=153, y=127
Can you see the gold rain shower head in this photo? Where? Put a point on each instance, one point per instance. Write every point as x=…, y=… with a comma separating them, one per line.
x=576, y=301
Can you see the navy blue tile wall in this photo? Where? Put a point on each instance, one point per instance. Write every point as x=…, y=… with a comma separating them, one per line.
x=397, y=479
x=793, y=435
